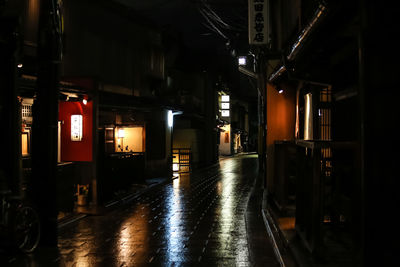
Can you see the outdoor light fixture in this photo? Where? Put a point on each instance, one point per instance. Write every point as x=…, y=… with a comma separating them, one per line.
x=242, y=61
x=308, y=117
x=170, y=118
x=279, y=89
x=121, y=133
x=175, y=167
x=76, y=127
x=20, y=65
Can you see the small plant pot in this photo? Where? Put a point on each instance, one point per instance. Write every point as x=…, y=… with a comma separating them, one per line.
x=82, y=200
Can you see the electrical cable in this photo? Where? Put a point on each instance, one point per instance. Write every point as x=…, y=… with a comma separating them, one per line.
x=213, y=25
x=215, y=17
x=217, y=23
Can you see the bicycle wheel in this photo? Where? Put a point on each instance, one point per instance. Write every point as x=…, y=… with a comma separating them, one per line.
x=26, y=229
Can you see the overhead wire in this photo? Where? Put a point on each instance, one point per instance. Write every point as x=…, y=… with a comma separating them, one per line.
x=234, y=17
x=212, y=25
x=217, y=23
x=211, y=13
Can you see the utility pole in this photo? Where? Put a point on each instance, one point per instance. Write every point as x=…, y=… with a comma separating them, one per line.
x=45, y=118
x=258, y=29
x=263, y=106
x=262, y=113
x=10, y=111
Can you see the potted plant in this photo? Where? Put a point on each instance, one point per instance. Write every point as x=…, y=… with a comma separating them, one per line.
x=82, y=195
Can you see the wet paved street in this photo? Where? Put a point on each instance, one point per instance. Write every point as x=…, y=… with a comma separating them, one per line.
x=197, y=219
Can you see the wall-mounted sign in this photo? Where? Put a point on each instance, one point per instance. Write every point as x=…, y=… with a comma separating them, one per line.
x=76, y=127
x=225, y=106
x=225, y=113
x=225, y=98
x=258, y=22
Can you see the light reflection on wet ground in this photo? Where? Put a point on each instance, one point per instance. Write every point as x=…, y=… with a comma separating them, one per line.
x=198, y=218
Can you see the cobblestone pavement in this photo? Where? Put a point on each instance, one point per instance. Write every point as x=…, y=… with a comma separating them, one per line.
x=197, y=219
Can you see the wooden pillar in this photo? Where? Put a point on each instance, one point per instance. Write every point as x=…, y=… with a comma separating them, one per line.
x=378, y=109
x=10, y=110
x=45, y=119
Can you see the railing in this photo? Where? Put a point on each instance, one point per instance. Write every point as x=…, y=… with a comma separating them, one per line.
x=118, y=171
x=284, y=190
x=181, y=159
x=317, y=190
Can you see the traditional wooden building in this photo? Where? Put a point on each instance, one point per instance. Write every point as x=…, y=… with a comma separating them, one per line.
x=325, y=96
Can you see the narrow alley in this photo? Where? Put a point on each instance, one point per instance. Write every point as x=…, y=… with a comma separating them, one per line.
x=196, y=219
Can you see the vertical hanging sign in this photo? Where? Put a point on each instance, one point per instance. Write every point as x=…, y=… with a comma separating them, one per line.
x=225, y=106
x=258, y=22
x=76, y=127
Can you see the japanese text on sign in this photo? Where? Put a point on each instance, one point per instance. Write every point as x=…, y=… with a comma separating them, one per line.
x=76, y=127
x=258, y=32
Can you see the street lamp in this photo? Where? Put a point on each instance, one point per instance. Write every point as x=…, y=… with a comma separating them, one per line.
x=170, y=118
x=121, y=135
x=242, y=61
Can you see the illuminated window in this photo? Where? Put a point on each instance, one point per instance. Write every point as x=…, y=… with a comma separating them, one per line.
x=308, y=117
x=25, y=144
x=181, y=159
x=129, y=139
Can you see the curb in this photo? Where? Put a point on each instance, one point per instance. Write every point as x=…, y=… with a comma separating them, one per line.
x=126, y=199
x=278, y=254
x=133, y=196
x=289, y=253
x=73, y=218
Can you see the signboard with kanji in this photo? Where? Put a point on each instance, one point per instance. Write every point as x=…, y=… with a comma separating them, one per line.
x=258, y=22
x=76, y=127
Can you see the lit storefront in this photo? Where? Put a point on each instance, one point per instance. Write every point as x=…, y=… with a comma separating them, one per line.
x=121, y=150
x=75, y=148
x=26, y=112
x=74, y=140
x=75, y=129
x=225, y=142
x=129, y=139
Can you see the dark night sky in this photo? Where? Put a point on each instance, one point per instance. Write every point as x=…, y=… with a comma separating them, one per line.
x=204, y=24
x=212, y=29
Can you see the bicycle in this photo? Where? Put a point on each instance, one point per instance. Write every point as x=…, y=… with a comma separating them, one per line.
x=19, y=223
